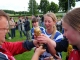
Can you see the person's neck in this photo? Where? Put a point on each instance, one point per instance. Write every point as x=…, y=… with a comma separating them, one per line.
x=49, y=31
x=36, y=26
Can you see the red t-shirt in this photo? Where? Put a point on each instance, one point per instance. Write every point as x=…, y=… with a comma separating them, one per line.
x=74, y=55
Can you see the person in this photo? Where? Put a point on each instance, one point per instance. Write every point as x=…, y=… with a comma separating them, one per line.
x=27, y=28
x=71, y=26
x=21, y=29
x=12, y=27
x=51, y=33
x=10, y=49
x=39, y=20
x=59, y=26
x=42, y=21
x=35, y=24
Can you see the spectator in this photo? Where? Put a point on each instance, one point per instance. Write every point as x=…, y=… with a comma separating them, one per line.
x=39, y=20
x=27, y=28
x=21, y=26
x=35, y=24
x=12, y=27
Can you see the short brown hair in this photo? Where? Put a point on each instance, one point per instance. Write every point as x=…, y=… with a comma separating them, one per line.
x=34, y=20
x=73, y=19
x=2, y=13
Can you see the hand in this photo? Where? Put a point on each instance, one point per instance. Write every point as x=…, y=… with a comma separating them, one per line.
x=37, y=53
x=40, y=50
x=43, y=39
x=35, y=42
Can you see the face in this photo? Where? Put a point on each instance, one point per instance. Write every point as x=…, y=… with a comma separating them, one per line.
x=48, y=22
x=71, y=34
x=35, y=24
x=3, y=29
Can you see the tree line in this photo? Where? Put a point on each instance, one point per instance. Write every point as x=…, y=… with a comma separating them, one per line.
x=45, y=6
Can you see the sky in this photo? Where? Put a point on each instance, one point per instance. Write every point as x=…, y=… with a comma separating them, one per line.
x=21, y=5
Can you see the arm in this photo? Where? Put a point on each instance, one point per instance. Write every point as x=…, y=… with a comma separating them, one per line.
x=50, y=44
x=51, y=47
x=18, y=47
x=37, y=53
x=59, y=46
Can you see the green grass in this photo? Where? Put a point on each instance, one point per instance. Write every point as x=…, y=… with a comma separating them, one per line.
x=25, y=56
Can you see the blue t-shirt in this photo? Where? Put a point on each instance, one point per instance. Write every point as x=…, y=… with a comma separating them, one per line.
x=41, y=28
x=57, y=37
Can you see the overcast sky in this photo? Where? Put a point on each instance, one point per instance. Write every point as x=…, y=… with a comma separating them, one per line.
x=21, y=5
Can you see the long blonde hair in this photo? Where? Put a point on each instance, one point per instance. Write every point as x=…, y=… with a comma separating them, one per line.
x=54, y=18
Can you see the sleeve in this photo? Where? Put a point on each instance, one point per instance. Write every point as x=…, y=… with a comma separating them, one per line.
x=18, y=47
x=28, y=45
x=62, y=45
x=58, y=37
x=32, y=33
x=42, y=30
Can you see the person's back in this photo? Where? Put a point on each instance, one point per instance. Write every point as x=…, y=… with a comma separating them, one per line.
x=27, y=25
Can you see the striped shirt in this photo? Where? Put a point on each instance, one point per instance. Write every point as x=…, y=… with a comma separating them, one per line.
x=57, y=37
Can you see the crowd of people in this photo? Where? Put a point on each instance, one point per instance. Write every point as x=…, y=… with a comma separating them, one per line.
x=53, y=41
x=23, y=26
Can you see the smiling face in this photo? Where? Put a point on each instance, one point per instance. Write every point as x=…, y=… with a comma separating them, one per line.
x=71, y=34
x=3, y=29
x=49, y=23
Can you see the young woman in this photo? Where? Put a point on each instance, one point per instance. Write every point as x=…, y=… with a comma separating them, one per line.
x=71, y=26
x=51, y=34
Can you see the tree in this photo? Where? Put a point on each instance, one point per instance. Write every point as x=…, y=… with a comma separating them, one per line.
x=9, y=11
x=33, y=7
x=63, y=4
x=44, y=6
x=53, y=7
